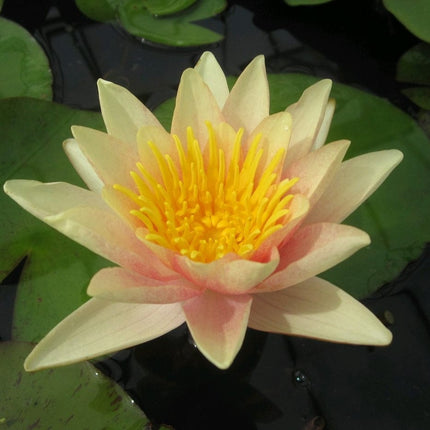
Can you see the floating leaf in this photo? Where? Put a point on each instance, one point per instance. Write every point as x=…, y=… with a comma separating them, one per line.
x=167, y=7
x=174, y=30
x=57, y=270
x=415, y=16
x=419, y=95
x=98, y=10
x=76, y=396
x=25, y=67
x=414, y=65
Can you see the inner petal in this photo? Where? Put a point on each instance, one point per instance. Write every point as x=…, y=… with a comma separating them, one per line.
x=204, y=207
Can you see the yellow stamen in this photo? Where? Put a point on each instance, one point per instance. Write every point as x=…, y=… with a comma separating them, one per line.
x=204, y=209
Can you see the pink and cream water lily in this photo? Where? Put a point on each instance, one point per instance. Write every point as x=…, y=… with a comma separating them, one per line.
x=222, y=223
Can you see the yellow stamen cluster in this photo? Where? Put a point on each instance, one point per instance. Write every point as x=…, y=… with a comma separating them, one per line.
x=205, y=210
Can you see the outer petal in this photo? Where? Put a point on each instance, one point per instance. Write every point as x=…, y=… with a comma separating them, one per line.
x=81, y=164
x=120, y=285
x=275, y=135
x=218, y=325
x=100, y=327
x=325, y=125
x=317, y=169
x=213, y=76
x=314, y=249
x=122, y=112
x=228, y=275
x=318, y=309
x=248, y=103
x=355, y=181
x=82, y=215
x=308, y=114
x=195, y=104
x=111, y=158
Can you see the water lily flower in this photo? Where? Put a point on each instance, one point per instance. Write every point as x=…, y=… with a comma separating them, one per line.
x=223, y=223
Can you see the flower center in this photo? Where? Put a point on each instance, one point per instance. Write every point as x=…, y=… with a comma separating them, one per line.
x=205, y=209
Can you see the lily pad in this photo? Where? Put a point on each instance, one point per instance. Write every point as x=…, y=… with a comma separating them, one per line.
x=98, y=10
x=415, y=16
x=414, y=65
x=27, y=72
x=76, y=396
x=419, y=95
x=175, y=30
x=167, y=7
x=396, y=215
x=57, y=270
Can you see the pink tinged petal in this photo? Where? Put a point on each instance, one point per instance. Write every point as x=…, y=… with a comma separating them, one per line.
x=355, y=181
x=308, y=114
x=325, y=125
x=120, y=285
x=218, y=325
x=112, y=159
x=83, y=216
x=101, y=327
x=195, y=104
x=299, y=208
x=122, y=112
x=317, y=169
x=213, y=76
x=227, y=275
x=249, y=101
x=312, y=250
x=81, y=164
x=275, y=133
x=315, y=308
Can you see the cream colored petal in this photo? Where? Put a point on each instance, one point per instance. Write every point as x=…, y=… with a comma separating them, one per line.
x=111, y=158
x=312, y=250
x=249, y=101
x=308, y=114
x=120, y=285
x=355, y=181
x=101, y=327
x=218, y=325
x=315, y=308
x=195, y=104
x=275, y=131
x=227, y=275
x=317, y=169
x=213, y=76
x=83, y=216
x=123, y=113
x=325, y=125
x=81, y=164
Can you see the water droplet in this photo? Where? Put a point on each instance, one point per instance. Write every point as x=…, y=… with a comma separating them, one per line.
x=301, y=379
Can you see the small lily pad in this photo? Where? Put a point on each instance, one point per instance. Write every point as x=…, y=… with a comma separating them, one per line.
x=415, y=16
x=419, y=95
x=98, y=10
x=25, y=68
x=175, y=30
x=57, y=270
x=167, y=7
x=414, y=65
x=76, y=396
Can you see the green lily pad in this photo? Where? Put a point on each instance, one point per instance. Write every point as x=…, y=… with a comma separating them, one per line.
x=396, y=215
x=25, y=68
x=305, y=2
x=167, y=7
x=98, y=10
x=414, y=65
x=77, y=396
x=175, y=30
x=415, y=16
x=419, y=95
x=57, y=270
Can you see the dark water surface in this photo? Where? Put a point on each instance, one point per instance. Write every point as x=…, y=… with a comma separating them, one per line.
x=277, y=382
